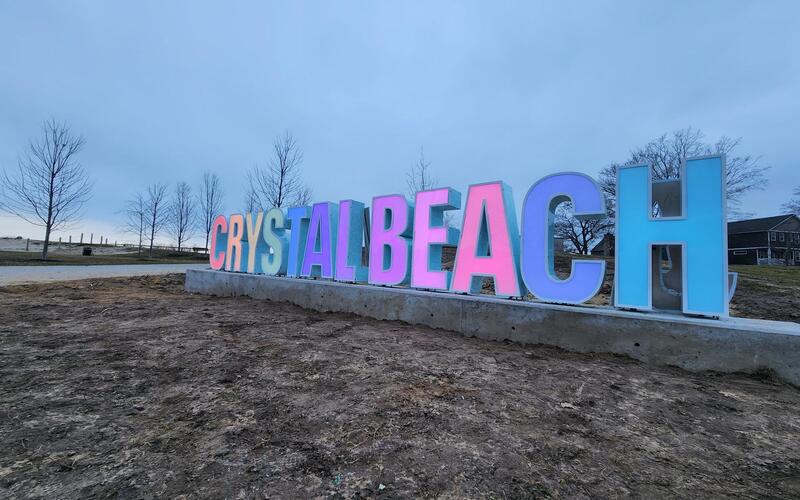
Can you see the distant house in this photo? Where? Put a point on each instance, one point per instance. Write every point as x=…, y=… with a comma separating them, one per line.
x=605, y=248
x=769, y=240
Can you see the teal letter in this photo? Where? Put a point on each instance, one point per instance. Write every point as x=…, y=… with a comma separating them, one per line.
x=273, y=261
x=298, y=223
x=700, y=229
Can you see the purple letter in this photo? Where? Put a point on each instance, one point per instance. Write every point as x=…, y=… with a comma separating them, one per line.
x=538, y=212
x=389, y=254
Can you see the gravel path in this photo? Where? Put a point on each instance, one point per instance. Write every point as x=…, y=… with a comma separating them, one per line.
x=14, y=275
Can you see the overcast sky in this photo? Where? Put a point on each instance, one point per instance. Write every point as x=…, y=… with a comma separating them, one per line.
x=493, y=90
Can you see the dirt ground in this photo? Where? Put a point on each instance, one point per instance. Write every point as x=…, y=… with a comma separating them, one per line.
x=767, y=292
x=132, y=388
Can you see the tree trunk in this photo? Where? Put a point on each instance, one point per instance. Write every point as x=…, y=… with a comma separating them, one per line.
x=152, y=237
x=46, y=242
x=50, y=221
x=584, y=243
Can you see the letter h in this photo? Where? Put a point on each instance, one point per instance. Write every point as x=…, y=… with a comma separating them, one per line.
x=693, y=217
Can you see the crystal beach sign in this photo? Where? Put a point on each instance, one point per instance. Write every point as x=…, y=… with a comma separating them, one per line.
x=671, y=240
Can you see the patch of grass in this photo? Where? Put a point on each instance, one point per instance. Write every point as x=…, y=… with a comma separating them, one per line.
x=55, y=259
x=784, y=276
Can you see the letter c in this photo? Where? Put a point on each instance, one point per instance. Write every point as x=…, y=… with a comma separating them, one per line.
x=219, y=239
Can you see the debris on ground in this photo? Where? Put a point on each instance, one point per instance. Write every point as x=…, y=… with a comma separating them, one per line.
x=130, y=387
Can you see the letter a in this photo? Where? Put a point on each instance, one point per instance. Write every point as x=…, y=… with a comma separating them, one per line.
x=489, y=241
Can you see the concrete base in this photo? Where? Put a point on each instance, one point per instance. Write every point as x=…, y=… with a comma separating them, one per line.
x=731, y=345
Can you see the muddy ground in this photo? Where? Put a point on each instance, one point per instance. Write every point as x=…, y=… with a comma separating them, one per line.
x=132, y=388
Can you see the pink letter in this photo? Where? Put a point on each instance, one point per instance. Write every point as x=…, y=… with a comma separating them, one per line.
x=430, y=233
x=488, y=246
x=389, y=254
x=219, y=226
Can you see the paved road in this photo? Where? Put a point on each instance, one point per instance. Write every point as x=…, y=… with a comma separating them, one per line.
x=14, y=275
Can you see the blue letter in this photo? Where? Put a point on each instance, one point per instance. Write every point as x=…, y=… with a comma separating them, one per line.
x=538, y=214
x=298, y=224
x=320, y=252
x=700, y=230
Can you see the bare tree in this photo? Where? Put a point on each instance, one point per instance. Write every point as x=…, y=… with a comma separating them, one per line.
x=579, y=232
x=666, y=154
x=419, y=177
x=304, y=196
x=182, y=213
x=210, y=198
x=156, y=211
x=251, y=203
x=279, y=184
x=50, y=187
x=136, y=218
x=793, y=205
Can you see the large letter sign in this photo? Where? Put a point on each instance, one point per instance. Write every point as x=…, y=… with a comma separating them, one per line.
x=700, y=229
x=538, y=260
x=219, y=239
x=389, y=255
x=670, y=241
x=233, y=255
x=348, y=242
x=273, y=261
x=319, y=252
x=298, y=223
x=430, y=233
x=255, y=245
x=488, y=246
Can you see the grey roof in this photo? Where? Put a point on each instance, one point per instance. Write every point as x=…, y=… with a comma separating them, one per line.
x=757, y=225
x=599, y=244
